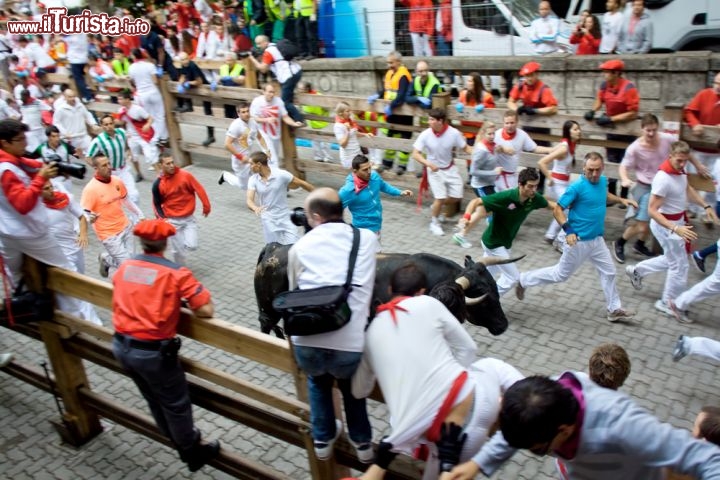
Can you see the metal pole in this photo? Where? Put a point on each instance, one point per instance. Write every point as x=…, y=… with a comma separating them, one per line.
x=367, y=31
x=512, y=29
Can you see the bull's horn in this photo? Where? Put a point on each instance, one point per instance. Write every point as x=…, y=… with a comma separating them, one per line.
x=489, y=261
x=463, y=282
x=475, y=301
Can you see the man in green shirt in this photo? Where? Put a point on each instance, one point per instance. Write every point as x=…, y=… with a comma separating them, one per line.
x=509, y=210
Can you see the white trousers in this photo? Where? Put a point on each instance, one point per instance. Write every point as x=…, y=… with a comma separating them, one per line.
x=35, y=138
x=185, y=238
x=277, y=227
x=152, y=102
x=125, y=174
x=240, y=176
x=705, y=347
x=46, y=250
x=700, y=291
x=276, y=151
x=596, y=251
x=673, y=261
x=149, y=151
x=506, y=181
x=421, y=45
x=118, y=248
x=321, y=151
x=81, y=141
x=554, y=231
x=506, y=275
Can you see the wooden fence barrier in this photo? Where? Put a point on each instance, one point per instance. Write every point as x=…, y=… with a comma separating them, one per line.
x=70, y=340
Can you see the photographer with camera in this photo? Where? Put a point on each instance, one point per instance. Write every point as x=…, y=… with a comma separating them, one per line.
x=147, y=296
x=23, y=217
x=318, y=259
x=267, y=198
x=62, y=153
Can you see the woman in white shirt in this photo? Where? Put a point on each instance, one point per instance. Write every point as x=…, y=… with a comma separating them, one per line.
x=346, y=132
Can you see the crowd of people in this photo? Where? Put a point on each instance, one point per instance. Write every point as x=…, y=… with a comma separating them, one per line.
x=439, y=395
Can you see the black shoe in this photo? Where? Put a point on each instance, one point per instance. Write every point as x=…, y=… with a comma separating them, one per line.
x=400, y=170
x=221, y=180
x=202, y=454
x=641, y=249
x=208, y=141
x=138, y=177
x=163, y=142
x=618, y=252
x=698, y=261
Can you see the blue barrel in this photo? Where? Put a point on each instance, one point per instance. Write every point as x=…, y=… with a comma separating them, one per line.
x=350, y=38
x=326, y=26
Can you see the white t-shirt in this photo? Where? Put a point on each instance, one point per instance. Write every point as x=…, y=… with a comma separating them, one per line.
x=521, y=142
x=32, y=88
x=562, y=165
x=77, y=48
x=351, y=149
x=610, y=27
x=673, y=189
x=416, y=359
x=271, y=194
x=39, y=57
x=244, y=135
x=136, y=112
x=439, y=149
x=142, y=73
x=260, y=108
x=319, y=259
x=64, y=225
x=281, y=68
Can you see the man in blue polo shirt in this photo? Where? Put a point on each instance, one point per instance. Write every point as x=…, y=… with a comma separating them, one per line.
x=586, y=199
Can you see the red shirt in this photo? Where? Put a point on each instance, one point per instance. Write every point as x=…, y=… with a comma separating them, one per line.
x=147, y=294
x=422, y=16
x=587, y=44
x=23, y=198
x=703, y=109
x=174, y=195
x=537, y=95
x=620, y=98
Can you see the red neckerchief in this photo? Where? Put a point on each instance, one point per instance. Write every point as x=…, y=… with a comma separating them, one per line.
x=489, y=145
x=668, y=168
x=571, y=145
x=392, y=305
x=507, y=136
x=359, y=183
x=102, y=179
x=350, y=121
x=59, y=201
x=444, y=129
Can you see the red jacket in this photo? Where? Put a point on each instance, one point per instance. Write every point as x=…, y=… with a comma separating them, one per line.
x=703, y=109
x=174, y=195
x=422, y=16
x=446, y=17
x=587, y=44
x=23, y=198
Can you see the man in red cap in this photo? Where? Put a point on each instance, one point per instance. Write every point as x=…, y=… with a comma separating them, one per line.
x=622, y=102
x=174, y=200
x=147, y=295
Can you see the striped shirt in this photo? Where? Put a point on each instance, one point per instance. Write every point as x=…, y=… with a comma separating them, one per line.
x=113, y=147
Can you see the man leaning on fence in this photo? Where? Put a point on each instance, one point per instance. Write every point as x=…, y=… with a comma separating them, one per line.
x=147, y=295
x=329, y=357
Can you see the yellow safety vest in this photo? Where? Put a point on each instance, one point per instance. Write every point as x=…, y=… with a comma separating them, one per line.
x=304, y=8
x=315, y=110
x=236, y=71
x=392, y=82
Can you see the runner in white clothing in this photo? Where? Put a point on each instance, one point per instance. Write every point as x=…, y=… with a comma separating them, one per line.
x=143, y=75
x=709, y=287
x=269, y=111
x=139, y=125
x=669, y=197
x=73, y=119
x=509, y=142
x=701, y=346
x=242, y=136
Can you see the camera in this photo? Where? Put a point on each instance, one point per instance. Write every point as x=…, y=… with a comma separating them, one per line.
x=298, y=217
x=244, y=54
x=76, y=170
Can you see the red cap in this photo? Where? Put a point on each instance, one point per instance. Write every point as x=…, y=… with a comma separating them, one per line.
x=156, y=229
x=528, y=68
x=613, y=65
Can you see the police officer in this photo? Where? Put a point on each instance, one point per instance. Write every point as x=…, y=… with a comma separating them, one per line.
x=622, y=102
x=146, y=310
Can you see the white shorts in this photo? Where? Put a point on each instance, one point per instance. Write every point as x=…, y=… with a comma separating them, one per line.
x=446, y=183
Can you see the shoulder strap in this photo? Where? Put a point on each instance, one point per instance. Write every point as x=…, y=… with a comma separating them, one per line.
x=353, y=256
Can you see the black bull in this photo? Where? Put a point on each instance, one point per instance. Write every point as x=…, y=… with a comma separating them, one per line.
x=482, y=299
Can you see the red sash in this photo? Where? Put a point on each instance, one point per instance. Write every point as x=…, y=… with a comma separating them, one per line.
x=138, y=124
x=564, y=177
x=433, y=433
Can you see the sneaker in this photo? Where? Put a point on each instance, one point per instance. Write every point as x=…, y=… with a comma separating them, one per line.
x=619, y=315
x=641, y=249
x=323, y=450
x=698, y=261
x=679, y=315
x=208, y=141
x=400, y=170
x=635, y=279
x=549, y=241
x=436, y=229
x=618, y=252
x=519, y=291
x=441, y=218
x=460, y=240
x=663, y=307
x=364, y=451
x=139, y=178
x=5, y=358
x=681, y=349
x=221, y=180
x=103, y=269
x=558, y=246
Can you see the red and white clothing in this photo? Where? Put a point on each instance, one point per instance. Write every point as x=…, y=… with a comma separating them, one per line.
x=271, y=131
x=673, y=189
x=560, y=174
x=209, y=46
x=352, y=147
x=244, y=139
x=36, y=56
x=101, y=71
x=446, y=182
x=281, y=68
x=519, y=141
x=139, y=142
x=142, y=73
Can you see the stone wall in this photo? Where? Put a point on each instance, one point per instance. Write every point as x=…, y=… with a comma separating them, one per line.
x=662, y=79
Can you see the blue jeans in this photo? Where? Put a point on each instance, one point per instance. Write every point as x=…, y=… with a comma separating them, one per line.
x=324, y=366
x=710, y=249
x=78, y=73
x=287, y=93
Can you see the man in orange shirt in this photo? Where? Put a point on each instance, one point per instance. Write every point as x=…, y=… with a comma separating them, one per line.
x=148, y=290
x=174, y=200
x=103, y=200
